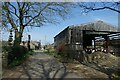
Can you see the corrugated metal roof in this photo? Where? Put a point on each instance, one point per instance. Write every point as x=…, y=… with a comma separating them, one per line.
x=97, y=26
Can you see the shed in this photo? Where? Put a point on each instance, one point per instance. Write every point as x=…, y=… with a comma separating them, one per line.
x=78, y=37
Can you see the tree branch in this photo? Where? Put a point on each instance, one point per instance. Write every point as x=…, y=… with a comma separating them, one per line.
x=112, y=7
x=26, y=8
x=21, y=17
x=104, y=8
x=14, y=9
x=23, y=5
x=38, y=14
x=9, y=18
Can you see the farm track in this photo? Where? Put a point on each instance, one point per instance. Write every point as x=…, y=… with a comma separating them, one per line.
x=44, y=66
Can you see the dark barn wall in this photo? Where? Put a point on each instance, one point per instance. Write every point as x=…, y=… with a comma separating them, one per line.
x=69, y=41
x=61, y=40
x=75, y=39
x=75, y=44
x=72, y=40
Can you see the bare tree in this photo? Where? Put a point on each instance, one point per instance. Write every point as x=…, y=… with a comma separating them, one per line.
x=94, y=6
x=19, y=15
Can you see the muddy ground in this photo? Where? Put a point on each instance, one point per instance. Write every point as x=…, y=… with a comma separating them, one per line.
x=97, y=65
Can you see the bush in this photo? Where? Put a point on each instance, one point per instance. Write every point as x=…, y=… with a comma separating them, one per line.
x=16, y=53
x=6, y=48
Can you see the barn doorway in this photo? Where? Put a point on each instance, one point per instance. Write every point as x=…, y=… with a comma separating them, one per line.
x=93, y=39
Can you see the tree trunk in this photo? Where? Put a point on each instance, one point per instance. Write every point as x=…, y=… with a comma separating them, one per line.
x=18, y=38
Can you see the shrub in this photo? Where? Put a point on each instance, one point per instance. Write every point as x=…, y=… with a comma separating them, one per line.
x=6, y=48
x=16, y=54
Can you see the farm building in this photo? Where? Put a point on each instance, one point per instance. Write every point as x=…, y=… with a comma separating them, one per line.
x=33, y=44
x=79, y=37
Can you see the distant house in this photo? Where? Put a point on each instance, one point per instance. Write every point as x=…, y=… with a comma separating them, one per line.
x=79, y=37
x=33, y=44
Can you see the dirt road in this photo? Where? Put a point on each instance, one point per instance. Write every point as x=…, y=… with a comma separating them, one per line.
x=40, y=66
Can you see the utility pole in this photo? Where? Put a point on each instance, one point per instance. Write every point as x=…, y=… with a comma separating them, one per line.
x=28, y=42
x=45, y=39
x=45, y=42
x=39, y=45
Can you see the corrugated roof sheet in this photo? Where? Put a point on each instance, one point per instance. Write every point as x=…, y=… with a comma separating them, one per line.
x=97, y=25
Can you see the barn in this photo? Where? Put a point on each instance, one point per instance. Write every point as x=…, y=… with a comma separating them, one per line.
x=76, y=38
